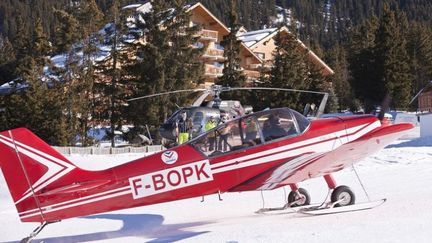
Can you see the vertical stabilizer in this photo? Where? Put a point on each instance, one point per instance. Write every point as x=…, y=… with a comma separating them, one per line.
x=29, y=165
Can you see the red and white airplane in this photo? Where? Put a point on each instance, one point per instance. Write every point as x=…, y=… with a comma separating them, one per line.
x=261, y=151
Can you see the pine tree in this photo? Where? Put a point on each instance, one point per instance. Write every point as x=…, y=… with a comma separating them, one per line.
x=39, y=107
x=183, y=37
x=363, y=65
x=113, y=78
x=68, y=38
x=232, y=72
x=290, y=70
x=337, y=59
x=22, y=45
x=41, y=46
x=66, y=31
x=419, y=47
x=166, y=60
x=392, y=58
x=7, y=60
x=83, y=97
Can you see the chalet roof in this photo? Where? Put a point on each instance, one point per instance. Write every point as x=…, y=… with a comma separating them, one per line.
x=252, y=37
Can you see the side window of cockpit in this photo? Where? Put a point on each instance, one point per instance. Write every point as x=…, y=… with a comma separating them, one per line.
x=277, y=124
x=302, y=122
x=219, y=141
x=198, y=118
x=197, y=124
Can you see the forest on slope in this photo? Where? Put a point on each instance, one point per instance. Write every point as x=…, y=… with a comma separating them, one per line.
x=376, y=48
x=323, y=21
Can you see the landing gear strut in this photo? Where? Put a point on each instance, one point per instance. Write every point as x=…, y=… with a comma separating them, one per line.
x=36, y=232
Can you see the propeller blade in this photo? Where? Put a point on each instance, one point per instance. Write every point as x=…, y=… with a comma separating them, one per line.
x=274, y=89
x=321, y=106
x=165, y=93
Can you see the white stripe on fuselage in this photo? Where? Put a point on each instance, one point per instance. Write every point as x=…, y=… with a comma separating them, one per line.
x=47, y=208
x=295, y=149
x=50, y=209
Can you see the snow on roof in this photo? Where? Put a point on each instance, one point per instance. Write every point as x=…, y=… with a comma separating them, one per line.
x=59, y=60
x=145, y=8
x=249, y=43
x=140, y=8
x=12, y=86
x=132, y=6
x=255, y=32
x=252, y=37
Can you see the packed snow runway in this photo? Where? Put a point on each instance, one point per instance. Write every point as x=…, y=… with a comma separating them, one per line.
x=402, y=173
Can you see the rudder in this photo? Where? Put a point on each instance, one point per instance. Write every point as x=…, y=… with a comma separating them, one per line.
x=29, y=165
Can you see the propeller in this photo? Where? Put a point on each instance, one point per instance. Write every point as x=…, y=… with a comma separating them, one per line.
x=322, y=104
x=216, y=90
x=166, y=93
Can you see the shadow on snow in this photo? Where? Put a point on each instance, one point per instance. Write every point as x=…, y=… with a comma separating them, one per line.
x=418, y=142
x=149, y=226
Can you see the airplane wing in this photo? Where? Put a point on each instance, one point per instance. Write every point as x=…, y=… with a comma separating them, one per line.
x=310, y=165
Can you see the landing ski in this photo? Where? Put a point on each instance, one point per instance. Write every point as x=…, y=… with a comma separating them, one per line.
x=286, y=209
x=345, y=209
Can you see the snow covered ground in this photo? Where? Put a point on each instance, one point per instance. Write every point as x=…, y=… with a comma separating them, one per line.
x=402, y=173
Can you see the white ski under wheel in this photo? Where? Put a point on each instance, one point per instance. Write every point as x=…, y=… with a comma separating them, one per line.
x=342, y=196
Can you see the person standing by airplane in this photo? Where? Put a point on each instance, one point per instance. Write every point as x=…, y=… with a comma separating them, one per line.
x=211, y=123
x=224, y=132
x=183, y=128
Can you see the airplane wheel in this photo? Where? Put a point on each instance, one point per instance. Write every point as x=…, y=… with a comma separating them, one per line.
x=343, y=194
x=293, y=196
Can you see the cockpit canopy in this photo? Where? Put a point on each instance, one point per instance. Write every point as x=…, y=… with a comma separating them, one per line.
x=254, y=129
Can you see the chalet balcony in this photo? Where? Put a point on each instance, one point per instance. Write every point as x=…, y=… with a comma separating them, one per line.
x=210, y=35
x=214, y=54
x=255, y=66
x=212, y=71
x=250, y=74
x=258, y=66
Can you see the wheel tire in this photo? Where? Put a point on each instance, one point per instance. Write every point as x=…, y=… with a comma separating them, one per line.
x=292, y=197
x=345, y=193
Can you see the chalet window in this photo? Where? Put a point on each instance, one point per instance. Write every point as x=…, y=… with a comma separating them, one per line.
x=260, y=55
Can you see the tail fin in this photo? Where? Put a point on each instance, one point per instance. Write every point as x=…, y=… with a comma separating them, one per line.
x=29, y=165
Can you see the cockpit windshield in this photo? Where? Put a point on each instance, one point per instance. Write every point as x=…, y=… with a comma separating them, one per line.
x=251, y=130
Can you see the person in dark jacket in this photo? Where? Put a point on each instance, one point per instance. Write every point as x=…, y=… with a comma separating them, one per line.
x=272, y=129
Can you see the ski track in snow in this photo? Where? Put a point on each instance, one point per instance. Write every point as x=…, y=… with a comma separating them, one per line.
x=402, y=173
